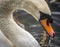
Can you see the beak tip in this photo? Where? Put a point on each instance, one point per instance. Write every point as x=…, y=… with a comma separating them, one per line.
x=52, y=35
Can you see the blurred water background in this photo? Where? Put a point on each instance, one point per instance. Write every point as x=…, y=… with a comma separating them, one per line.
x=36, y=29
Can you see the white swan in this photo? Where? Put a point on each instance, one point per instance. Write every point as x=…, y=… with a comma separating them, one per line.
x=18, y=36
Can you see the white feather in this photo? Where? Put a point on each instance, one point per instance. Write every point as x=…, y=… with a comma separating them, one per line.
x=4, y=42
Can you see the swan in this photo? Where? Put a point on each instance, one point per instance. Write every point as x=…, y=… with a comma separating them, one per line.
x=18, y=36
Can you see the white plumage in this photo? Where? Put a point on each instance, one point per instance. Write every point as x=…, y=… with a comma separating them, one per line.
x=18, y=36
x=4, y=42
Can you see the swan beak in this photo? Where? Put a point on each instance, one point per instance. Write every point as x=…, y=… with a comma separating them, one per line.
x=48, y=28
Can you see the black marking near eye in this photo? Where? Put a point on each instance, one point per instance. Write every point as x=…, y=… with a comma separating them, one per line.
x=46, y=16
x=43, y=16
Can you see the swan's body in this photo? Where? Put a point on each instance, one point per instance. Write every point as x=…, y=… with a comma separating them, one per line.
x=4, y=42
x=18, y=36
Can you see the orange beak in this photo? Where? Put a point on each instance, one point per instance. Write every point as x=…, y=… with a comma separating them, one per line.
x=48, y=28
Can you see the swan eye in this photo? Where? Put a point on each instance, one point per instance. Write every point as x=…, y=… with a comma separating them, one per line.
x=42, y=15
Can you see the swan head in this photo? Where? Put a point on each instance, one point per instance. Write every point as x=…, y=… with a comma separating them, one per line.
x=41, y=12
